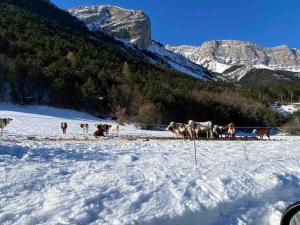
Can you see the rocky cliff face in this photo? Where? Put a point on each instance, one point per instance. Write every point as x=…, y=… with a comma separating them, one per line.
x=131, y=26
x=220, y=56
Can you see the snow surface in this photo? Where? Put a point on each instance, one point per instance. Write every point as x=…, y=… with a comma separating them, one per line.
x=177, y=61
x=214, y=65
x=286, y=110
x=117, y=182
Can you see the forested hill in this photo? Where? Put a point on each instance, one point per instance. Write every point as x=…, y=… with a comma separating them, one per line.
x=42, y=8
x=49, y=57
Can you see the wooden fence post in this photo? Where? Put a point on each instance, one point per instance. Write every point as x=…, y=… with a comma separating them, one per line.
x=195, y=152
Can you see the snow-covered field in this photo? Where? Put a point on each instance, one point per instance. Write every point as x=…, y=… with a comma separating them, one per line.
x=119, y=182
x=286, y=110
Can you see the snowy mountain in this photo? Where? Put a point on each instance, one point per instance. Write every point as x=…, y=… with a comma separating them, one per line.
x=181, y=63
x=234, y=59
x=133, y=27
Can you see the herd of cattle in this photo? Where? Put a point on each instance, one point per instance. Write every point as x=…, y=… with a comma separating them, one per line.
x=191, y=130
x=194, y=130
x=101, y=129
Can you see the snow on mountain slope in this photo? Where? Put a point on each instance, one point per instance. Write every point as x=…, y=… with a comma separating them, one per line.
x=123, y=24
x=182, y=64
x=116, y=181
x=286, y=110
x=220, y=55
x=214, y=65
x=133, y=27
x=45, y=121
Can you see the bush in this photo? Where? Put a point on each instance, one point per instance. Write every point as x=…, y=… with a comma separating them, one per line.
x=121, y=114
x=149, y=116
x=293, y=125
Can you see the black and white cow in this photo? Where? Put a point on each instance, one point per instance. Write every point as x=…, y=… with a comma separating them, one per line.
x=85, y=128
x=3, y=123
x=180, y=129
x=219, y=131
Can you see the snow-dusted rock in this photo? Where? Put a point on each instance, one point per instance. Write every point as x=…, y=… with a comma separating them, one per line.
x=218, y=56
x=180, y=63
x=132, y=26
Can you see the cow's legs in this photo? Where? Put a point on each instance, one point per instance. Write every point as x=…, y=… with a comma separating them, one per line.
x=191, y=133
x=211, y=134
x=196, y=133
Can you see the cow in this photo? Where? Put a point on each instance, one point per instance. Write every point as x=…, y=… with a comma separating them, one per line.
x=3, y=123
x=191, y=129
x=195, y=128
x=99, y=132
x=180, y=129
x=261, y=132
x=230, y=130
x=64, y=127
x=85, y=128
x=104, y=127
x=218, y=131
x=115, y=128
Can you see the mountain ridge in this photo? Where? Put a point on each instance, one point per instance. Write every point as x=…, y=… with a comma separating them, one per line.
x=133, y=27
x=227, y=60
x=220, y=55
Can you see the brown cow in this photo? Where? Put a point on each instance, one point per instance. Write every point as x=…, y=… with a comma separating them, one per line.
x=99, y=133
x=261, y=132
x=230, y=130
x=64, y=127
x=104, y=127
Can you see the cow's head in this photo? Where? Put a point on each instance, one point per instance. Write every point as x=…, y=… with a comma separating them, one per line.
x=216, y=128
x=84, y=125
x=63, y=125
x=171, y=126
x=190, y=122
x=7, y=120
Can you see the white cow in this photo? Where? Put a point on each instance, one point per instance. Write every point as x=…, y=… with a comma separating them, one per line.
x=115, y=128
x=196, y=127
x=191, y=126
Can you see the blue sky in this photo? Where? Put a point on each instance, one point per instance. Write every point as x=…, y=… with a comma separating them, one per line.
x=265, y=22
